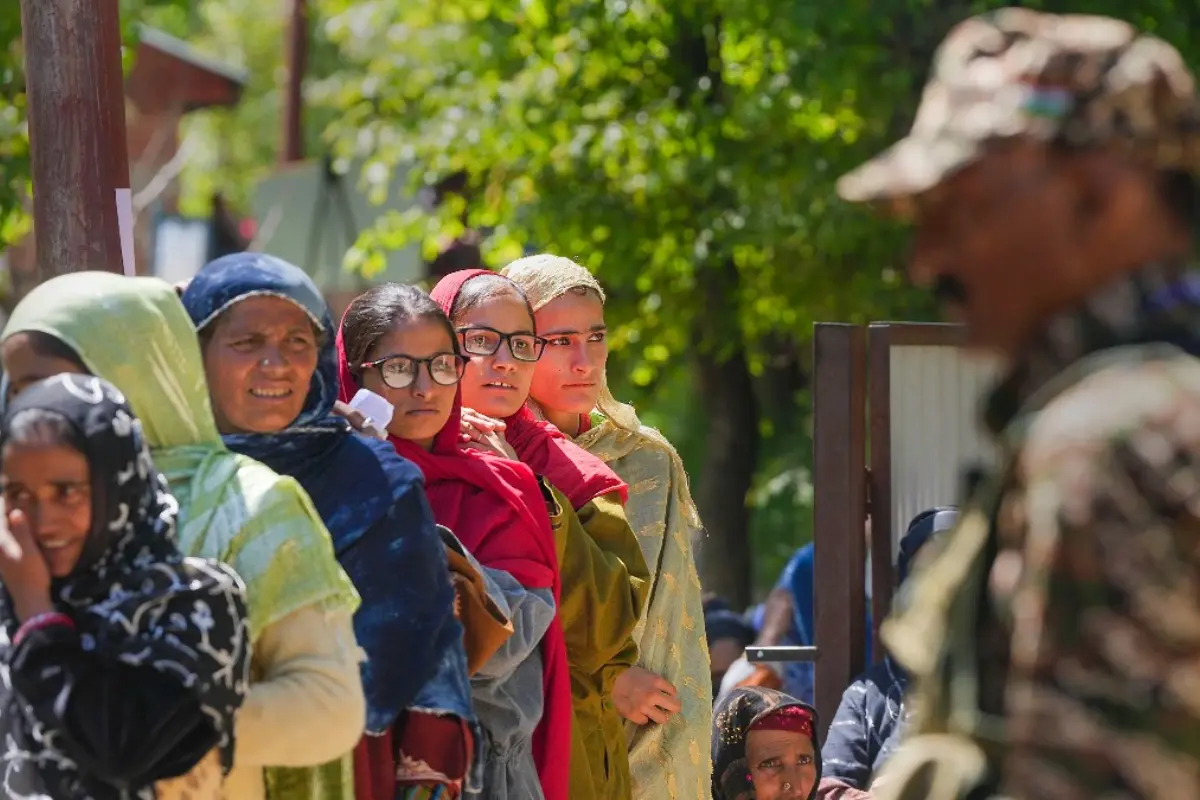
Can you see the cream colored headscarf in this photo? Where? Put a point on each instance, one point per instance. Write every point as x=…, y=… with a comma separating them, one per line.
x=545, y=277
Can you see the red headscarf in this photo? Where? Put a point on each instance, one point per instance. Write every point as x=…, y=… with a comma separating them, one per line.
x=575, y=472
x=793, y=719
x=496, y=508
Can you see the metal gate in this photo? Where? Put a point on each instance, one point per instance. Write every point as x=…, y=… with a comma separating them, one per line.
x=894, y=417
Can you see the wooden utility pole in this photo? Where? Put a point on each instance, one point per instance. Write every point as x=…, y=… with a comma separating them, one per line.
x=76, y=97
x=297, y=60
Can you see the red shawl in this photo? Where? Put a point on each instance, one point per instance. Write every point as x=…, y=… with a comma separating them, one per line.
x=575, y=472
x=496, y=508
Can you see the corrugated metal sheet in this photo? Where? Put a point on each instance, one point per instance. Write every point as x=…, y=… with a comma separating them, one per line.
x=935, y=394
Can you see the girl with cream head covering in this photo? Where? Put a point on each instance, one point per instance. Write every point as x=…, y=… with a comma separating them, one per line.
x=668, y=760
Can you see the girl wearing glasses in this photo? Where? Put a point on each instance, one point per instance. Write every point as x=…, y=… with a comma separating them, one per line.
x=602, y=563
x=396, y=342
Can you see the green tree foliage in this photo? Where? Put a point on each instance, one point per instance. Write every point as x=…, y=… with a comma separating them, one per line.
x=14, y=140
x=685, y=151
x=232, y=150
x=643, y=138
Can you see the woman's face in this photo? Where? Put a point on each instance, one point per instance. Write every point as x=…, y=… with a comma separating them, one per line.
x=497, y=385
x=783, y=764
x=25, y=366
x=423, y=407
x=259, y=362
x=570, y=373
x=52, y=485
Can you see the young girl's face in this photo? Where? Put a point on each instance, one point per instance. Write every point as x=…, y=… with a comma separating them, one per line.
x=498, y=384
x=570, y=373
x=25, y=364
x=52, y=485
x=414, y=367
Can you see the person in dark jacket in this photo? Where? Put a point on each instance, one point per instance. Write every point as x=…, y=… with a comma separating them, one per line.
x=870, y=719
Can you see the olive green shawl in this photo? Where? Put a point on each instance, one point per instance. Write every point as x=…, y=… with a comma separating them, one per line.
x=673, y=760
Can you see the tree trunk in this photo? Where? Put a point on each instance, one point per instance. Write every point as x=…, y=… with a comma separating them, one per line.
x=77, y=144
x=778, y=388
x=731, y=456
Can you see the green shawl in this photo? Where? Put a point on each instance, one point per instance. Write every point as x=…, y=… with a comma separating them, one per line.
x=673, y=760
x=135, y=333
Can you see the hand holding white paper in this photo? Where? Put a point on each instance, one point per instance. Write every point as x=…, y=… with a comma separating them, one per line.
x=377, y=411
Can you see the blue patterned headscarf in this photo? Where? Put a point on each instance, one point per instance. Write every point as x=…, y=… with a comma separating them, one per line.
x=371, y=499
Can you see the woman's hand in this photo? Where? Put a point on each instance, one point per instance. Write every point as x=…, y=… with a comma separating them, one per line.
x=475, y=426
x=642, y=697
x=493, y=443
x=485, y=434
x=358, y=420
x=23, y=569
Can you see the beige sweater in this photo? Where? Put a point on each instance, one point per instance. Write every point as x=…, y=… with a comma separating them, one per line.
x=306, y=709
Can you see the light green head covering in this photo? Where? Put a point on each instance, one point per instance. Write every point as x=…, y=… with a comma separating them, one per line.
x=135, y=333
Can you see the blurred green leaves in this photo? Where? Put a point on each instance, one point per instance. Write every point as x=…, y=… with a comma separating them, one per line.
x=593, y=129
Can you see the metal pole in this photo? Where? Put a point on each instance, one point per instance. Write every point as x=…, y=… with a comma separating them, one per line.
x=297, y=60
x=839, y=509
x=76, y=95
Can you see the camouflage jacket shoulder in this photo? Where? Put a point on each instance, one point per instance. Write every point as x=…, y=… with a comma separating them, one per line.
x=1081, y=560
x=1120, y=407
x=1098, y=577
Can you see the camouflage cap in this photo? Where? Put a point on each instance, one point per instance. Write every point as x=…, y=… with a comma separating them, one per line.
x=1076, y=79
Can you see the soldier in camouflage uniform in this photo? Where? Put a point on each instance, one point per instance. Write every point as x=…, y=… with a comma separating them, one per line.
x=1054, y=637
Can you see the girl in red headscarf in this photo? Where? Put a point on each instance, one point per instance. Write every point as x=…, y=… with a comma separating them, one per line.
x=602, y=561
x=396, y=342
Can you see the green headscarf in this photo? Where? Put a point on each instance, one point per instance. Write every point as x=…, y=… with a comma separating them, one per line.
x=135, y=333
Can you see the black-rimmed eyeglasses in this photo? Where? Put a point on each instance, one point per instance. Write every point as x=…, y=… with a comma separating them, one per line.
x=481, y=341
x=399, y=372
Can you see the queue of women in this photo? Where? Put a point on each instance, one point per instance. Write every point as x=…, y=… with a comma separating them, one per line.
x=219, y=580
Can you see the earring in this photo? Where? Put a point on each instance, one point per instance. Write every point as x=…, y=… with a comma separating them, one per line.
x=787, y=787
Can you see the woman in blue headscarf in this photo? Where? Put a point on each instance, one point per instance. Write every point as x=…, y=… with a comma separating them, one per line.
x=268, y=346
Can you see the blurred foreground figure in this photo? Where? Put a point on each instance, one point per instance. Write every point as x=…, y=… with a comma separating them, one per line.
x=1053, y=639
